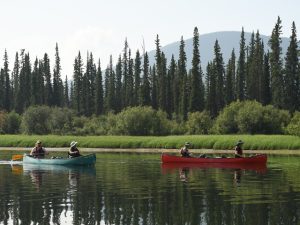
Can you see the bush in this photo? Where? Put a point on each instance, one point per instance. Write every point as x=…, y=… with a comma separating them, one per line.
x=36, y=120
x=3, y=117
x=141, y=121
x=61, y=121
x=226, y=122
x=12, y=123
x=274, y=120
x=199, y=123
x=293, y=127
x=251, y=117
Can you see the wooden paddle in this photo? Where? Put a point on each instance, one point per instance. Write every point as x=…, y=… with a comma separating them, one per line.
x=17, y=157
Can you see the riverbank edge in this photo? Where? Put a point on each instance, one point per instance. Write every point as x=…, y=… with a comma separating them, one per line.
x=157, y=150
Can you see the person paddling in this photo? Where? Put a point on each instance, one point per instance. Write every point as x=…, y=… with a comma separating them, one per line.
x=238, y=151
x=184, y=151
x=73, y=152
x=38, y=151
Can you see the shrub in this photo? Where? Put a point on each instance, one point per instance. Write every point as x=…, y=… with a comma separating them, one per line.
x=36, y=120
x=251, y=117
x=12, y=123
x=226, y=122
x=199, y=123
x=293, y=127
x=3, y=117
x=274, y=120
x=141, y=121
x=61, y=120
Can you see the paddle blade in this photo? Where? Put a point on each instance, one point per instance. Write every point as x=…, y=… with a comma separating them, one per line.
x=17, y=157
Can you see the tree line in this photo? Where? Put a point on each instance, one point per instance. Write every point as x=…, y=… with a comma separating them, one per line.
x=255, y=74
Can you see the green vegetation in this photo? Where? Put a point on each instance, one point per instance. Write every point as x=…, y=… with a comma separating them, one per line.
x=246, y=117
x=252, y=142
x=167, y=84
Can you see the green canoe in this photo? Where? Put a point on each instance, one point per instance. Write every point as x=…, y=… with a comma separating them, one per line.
x=81, y=160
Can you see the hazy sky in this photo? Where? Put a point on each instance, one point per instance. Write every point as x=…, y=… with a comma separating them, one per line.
x=101, y=26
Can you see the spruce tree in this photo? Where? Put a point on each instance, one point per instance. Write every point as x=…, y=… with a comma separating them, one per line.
x=130, y=81
x=57, y=94
x=66, y=93
x=77, y=84
x=119, y=99
x=154, y=100
x=24, y=91
x=35, y=92
x=241, y=69
x=218, y=71
x=197, y=93
x=230, y=80
x=15, y=78
x=146, y=90
x=292, y=74
x=137, y=78
x=99, y=91
x=173, y=90
x=111, y=87
x=251, y=78
x=182, y=75
x=7, y=87
x=211, y=81
x=277, y=88
x=2, y=90
x=125, y=74
x=47, y=78
x=265, y=82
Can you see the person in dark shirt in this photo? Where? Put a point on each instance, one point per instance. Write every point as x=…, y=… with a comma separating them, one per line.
x=38, y=151
x=73, y=152
x=238, y=151
x=184, y=151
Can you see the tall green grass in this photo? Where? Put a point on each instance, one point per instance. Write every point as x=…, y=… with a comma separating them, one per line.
x=251, y=142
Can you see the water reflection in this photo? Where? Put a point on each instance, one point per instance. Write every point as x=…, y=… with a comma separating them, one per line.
x=71, y=173
x=183, y=174
x=237, y=176
x=259, y=168
x=132, y=189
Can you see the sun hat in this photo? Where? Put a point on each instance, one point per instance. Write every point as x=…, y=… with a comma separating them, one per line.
x=38, y=142
x=239, y=142
x=187, y=143
x=73, y=143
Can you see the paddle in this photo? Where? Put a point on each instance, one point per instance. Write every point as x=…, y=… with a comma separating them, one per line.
x=17, y=157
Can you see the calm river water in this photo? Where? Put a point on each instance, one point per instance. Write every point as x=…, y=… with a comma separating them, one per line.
x=137, y=189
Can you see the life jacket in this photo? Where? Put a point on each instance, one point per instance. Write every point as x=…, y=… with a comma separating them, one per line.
x=184, y=152
x=238, y=150
x=74, y=152
x=39, y=152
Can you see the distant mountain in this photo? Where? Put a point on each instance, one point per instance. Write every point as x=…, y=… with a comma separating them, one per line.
x=228, y=40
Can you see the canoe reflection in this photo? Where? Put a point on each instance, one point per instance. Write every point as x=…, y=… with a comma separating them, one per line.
x=260, y=168
x=38, y=173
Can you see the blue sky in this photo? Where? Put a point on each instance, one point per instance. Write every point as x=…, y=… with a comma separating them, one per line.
x=102, y=26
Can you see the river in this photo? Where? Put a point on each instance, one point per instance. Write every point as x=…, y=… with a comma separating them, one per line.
x=135, y=188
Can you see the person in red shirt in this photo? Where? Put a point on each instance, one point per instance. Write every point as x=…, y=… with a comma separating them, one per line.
x=238, y=151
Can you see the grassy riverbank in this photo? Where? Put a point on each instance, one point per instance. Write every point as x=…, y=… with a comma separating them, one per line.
x=252, y=142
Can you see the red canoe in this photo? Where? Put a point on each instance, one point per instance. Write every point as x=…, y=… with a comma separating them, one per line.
x=166, y=158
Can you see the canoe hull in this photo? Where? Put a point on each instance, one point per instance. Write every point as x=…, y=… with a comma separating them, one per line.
x=166, y=158
x=82, y=160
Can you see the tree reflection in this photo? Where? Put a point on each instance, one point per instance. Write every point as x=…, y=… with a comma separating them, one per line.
x=132, y=193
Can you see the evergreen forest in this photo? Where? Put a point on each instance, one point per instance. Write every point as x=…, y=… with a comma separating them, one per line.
x=257, y=76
